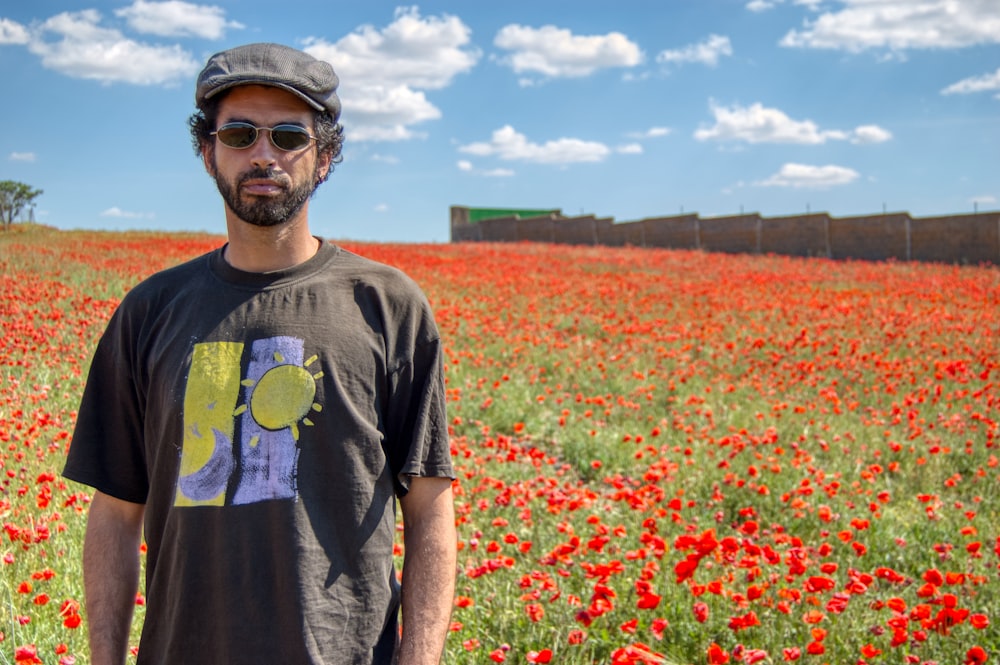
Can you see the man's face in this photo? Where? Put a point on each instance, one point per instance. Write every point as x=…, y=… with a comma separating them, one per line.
x=264, y=185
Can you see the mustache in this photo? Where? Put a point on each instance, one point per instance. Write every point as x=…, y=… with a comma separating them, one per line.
x=269, y=173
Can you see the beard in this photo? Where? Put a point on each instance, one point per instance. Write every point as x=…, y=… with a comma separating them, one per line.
x=267, y=210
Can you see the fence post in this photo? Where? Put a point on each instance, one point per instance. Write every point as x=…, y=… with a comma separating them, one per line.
x=826, y=236
x=909, y=242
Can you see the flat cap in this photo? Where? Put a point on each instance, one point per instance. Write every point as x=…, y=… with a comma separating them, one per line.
x=314, y=81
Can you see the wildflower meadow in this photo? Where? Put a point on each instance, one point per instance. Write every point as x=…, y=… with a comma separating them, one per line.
x=663, y=456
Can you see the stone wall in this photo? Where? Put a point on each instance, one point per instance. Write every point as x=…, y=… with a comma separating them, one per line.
x=966, y=239
x=874, y=238
x=678, y=232
x=735, y=235
x=805, y=235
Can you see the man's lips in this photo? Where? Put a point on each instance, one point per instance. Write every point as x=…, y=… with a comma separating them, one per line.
x=259, y=187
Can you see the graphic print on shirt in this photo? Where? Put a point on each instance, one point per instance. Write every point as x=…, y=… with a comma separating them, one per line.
x=241, y=430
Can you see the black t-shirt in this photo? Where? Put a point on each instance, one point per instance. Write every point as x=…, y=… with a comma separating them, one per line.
x=267, y=421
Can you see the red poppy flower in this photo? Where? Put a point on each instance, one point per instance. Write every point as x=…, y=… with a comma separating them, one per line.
x=869, y=651
x=979, y=621
x=975, y=656
x=543, y=656
x=717, y=655
x=27, y=655
x=648, y=601
x=700, y=612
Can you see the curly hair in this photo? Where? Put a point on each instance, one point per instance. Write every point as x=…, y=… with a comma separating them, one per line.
x=329, y=133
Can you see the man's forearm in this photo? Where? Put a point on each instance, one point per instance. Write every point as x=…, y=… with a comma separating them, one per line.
x=111, y=576
x=428, y=577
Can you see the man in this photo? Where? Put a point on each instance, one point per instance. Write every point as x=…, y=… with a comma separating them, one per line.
x=255, y=413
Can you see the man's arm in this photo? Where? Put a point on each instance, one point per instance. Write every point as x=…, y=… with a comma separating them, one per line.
x=111, y=575
x=428, y=569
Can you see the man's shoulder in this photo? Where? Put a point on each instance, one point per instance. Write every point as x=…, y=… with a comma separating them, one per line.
x=367, y=272
x=170, y=280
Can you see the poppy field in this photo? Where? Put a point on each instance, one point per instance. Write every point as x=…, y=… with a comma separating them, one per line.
x=662, y=456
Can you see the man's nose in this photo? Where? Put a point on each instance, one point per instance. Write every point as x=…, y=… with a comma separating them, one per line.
x=263, y=152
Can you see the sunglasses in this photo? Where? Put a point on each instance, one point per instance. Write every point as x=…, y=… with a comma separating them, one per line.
x=242, y=135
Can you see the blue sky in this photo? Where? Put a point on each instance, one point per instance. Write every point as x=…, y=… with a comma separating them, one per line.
x=625, y=109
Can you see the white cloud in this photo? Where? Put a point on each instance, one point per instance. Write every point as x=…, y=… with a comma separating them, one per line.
x=424, y=53
x=383, y=71
x=118, y=213
x=558, y=53
x=23, y=157
x=983, y=83
x=804, y=176
x=175, y=18
x=507, y=143
x=12, y=32
x=467, y=167
x=870, y=134
x=381, y=207
x=84, y=49
x=899, y=25
x=385, y=114
x=764, y=5
x=629, y=149
x=386, y=133
x=707, y=52
x=651, y=133
x=386, y=159
x=759, y=124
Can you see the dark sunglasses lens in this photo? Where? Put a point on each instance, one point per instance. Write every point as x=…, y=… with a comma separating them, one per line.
x=290, y=137
x=237, y=135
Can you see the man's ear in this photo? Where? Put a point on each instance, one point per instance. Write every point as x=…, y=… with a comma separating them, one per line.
x=323, y=167
x=208, y=158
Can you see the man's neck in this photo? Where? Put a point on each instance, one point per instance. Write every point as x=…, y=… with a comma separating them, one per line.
x=266, y=249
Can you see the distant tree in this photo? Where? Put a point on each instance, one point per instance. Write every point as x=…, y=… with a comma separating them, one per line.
x=14, y=198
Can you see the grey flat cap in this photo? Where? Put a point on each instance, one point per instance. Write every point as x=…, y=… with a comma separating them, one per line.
x=314, y=81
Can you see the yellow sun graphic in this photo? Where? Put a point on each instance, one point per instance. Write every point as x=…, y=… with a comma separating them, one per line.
x=283, y=397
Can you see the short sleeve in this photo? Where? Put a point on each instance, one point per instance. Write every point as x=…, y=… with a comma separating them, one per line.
x=417, y=427
x=107, y=450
